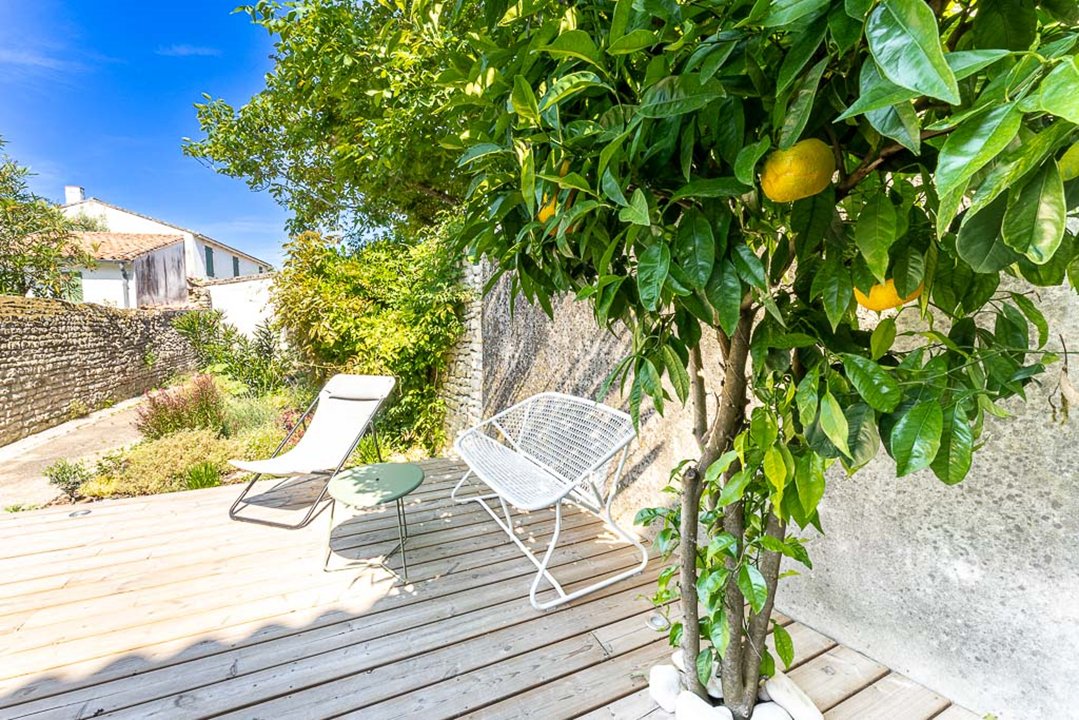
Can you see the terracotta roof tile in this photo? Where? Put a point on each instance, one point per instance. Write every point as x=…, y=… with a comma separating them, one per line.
x=123, y=246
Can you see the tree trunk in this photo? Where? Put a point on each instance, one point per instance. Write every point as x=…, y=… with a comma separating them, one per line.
x=729, y=418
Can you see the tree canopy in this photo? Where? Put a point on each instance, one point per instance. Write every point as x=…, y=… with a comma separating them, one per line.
x=37, y=249
x=769, y=172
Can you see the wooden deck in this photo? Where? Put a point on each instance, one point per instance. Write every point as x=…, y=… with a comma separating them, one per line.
x=164, y=608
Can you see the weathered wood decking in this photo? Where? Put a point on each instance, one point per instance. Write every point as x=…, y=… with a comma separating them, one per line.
x=163, y=608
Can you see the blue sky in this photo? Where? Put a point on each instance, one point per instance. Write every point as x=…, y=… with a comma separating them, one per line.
x=100, y=93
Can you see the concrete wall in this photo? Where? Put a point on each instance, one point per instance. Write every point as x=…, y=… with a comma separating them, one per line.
x=244, y=302
x=972, y=590
x=56, y=356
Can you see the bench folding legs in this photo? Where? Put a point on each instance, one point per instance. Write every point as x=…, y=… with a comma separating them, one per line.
x=585, y=495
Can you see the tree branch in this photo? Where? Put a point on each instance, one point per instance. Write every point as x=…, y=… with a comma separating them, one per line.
x=871, y=163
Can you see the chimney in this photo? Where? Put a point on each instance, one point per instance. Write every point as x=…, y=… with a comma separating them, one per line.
x=73, y=194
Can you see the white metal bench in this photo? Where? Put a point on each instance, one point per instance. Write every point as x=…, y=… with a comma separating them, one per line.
x=541, y=452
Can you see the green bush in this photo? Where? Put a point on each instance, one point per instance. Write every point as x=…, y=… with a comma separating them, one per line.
x=67, y=476
x=387, y=308
x=203, y=475
x=162, y=464
x=243, y=413
x=198, y=404
x=260, y=363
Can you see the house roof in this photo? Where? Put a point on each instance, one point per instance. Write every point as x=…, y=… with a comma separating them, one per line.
x=123, y=246
x=200, y=236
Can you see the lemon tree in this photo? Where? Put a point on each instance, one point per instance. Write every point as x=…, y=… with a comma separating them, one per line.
x=754, y=171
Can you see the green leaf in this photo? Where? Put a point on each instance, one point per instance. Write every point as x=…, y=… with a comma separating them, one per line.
x=524, y=100
x=834, y=423
x=747, y=160
x=900, y=123
x=833, y=283
x=875, y=92
x=915, y=438
x=873, y=383
x=632, y=42
x=805, y=397
x=720, y=635
x=720, y=466
x=783, y=643
x=749, y=266
x=799, y=54
x=785, y=12
x=875, y=232
x=775, y=469
x=863, y=438
x=883, y=337
x=1010, y=24
x=972, y=145
x=908, y=271
x=724, y=293
x=753, y=587
x=1034, y=222
x=722, y=544
x=952, y=461
x=710, y=188
x=677, y=95
x=637, y=210
x=480, y=150
x=734, y=489
x=809, y=481
x=569, y=85
x=652, y=268
x=704, y=665
x=980, y=244
x=905, y=41
x=801, y=106
x=1034, y=315
x=576, y=44
x=677, y=373
x=695, y=247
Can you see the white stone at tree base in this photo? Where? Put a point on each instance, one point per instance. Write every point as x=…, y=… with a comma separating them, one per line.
x=770, y=711
x=785, y=693
x=676, y=660
x=762, y=693
x=691, y=707
x=664, y=684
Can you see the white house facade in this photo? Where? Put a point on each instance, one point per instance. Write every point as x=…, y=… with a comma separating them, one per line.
x=114, y=280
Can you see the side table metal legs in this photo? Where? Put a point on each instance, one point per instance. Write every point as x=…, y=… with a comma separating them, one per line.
x=402, y=536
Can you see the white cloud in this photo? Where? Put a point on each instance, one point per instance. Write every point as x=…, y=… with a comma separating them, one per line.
x=184, y=50
x=37, y=60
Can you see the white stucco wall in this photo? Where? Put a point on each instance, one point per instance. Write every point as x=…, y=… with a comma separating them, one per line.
x=104, y=284
x=222, y=261
x=244, y=303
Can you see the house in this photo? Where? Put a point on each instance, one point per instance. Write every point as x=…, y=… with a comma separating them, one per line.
x=143, y=261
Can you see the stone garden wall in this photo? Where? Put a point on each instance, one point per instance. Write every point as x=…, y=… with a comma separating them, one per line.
x=971, y=590
x=462, y=388
x=59, y=360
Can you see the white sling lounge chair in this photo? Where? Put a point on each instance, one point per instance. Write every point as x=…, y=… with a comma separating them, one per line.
x=541, y=452
x=343, y=411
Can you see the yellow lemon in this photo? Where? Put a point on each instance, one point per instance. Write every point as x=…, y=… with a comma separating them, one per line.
x=884, y=296
x=802, y=170
x=1069, y=163
x=546, y=212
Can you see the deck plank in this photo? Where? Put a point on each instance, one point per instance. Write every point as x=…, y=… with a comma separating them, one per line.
x=162, y=607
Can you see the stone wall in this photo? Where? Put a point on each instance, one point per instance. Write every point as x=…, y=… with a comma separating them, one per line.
x=462, y=388
x=970, y=590
x=59, y=358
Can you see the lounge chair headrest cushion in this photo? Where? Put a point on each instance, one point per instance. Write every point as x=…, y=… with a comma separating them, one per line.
x=359, y=387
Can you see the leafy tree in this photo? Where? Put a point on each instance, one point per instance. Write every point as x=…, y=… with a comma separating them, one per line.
x=767, y=173
x=615, y=153
x=388, y=308
x=37, y=248
x=346, y=133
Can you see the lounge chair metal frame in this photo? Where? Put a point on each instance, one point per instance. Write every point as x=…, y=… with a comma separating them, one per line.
x=315, y=508
x=575, y=477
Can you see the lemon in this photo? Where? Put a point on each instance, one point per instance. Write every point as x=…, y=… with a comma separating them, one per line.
x=884, y=296
x=550, y=203
x=802, y=170
x=1069, y=163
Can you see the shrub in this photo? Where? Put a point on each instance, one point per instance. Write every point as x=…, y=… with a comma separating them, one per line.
x=162, y=464
x=388, y=307
x=199, y=404
x=203, y=475
x=260, y=363
x=243, y=413
x=259, y=442
x=67, y=476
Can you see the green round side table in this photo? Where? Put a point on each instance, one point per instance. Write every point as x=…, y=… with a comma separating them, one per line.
x=368, y=486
